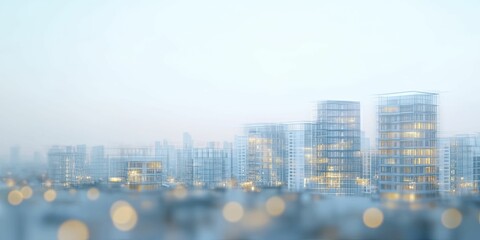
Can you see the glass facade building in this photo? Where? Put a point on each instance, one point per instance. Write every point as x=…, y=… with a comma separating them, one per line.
x=407, y=143
x=266, y=155
x=208, y=167
x=336, y=168
x=464, y=164
x=66, y=165
x=299, y=152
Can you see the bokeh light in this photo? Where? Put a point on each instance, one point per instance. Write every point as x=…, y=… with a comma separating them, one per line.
x=275, y=206
x=93, y=194
x=15, y=197
x=27, y=192
x=123, y=215
x=10, y=182
x=73, y=230
x=373, y=217
x=50, y=195
x=180, y=192
x=451, y=218
x=233, y=211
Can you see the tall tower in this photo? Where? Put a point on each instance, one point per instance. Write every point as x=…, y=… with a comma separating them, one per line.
x=336, y=168
x=407, y=143
x=266, y=156
x=185, y=161
x=299, y=152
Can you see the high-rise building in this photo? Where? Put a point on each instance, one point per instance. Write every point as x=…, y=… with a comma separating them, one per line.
x=239, y=162
x=407, y=143
x=98, y=166
x=209, y=165
x=266, y=155
x=227, y=164
x=185, y=161
x=444, y=170
x=66, y=165
x=336, y=168
x=464, y=164
x=299, y=152
x=167, y=154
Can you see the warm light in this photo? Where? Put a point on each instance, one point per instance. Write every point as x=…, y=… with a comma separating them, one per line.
x=93, y=194
x=233, y=211
x=115, y=179
x=10, y=183
x=275, y=206
x=50, y=195
x=15, y=197
x=451, y=218
x=180, y=192
x=73, y=230
x=27, y=192
x=124, y=216
x=373, y=217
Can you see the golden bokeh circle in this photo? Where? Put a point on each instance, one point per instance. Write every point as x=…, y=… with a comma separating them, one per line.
x=233, y=211
x=451, y=218
x=15, y=197
x=73, y=230
x=373, y=217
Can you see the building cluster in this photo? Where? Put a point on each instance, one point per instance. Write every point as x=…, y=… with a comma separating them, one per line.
x=328, y=155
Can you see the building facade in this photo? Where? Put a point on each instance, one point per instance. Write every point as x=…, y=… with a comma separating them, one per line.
x=266, y=155
x=407, y=143
x=336, y=168
x=66, y=165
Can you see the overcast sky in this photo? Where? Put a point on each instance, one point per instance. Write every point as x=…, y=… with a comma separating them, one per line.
x=132, y=72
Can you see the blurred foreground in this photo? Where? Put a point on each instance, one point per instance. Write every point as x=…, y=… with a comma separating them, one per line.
x=93, y=213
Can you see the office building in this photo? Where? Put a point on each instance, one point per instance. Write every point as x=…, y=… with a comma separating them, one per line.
x=66, y=165
x=266, y=156
x=336, y=168
x=407, y=143
x=464, y=164
x=299, y=152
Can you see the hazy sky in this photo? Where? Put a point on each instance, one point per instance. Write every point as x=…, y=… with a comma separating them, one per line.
x=112, y=72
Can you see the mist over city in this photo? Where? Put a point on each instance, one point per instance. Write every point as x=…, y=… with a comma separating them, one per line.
x=239, y=119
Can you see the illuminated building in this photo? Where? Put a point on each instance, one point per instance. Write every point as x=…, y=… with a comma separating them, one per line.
x=336, y=168
x=135, y=167
x=66, y=165
x=407, y=143
x=144, y=174
x=464, y=164
x=266, y=155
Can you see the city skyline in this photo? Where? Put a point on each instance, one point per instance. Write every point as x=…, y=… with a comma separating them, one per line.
x=79, y=73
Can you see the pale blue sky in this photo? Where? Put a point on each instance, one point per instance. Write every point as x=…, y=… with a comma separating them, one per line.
x=109, y=72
